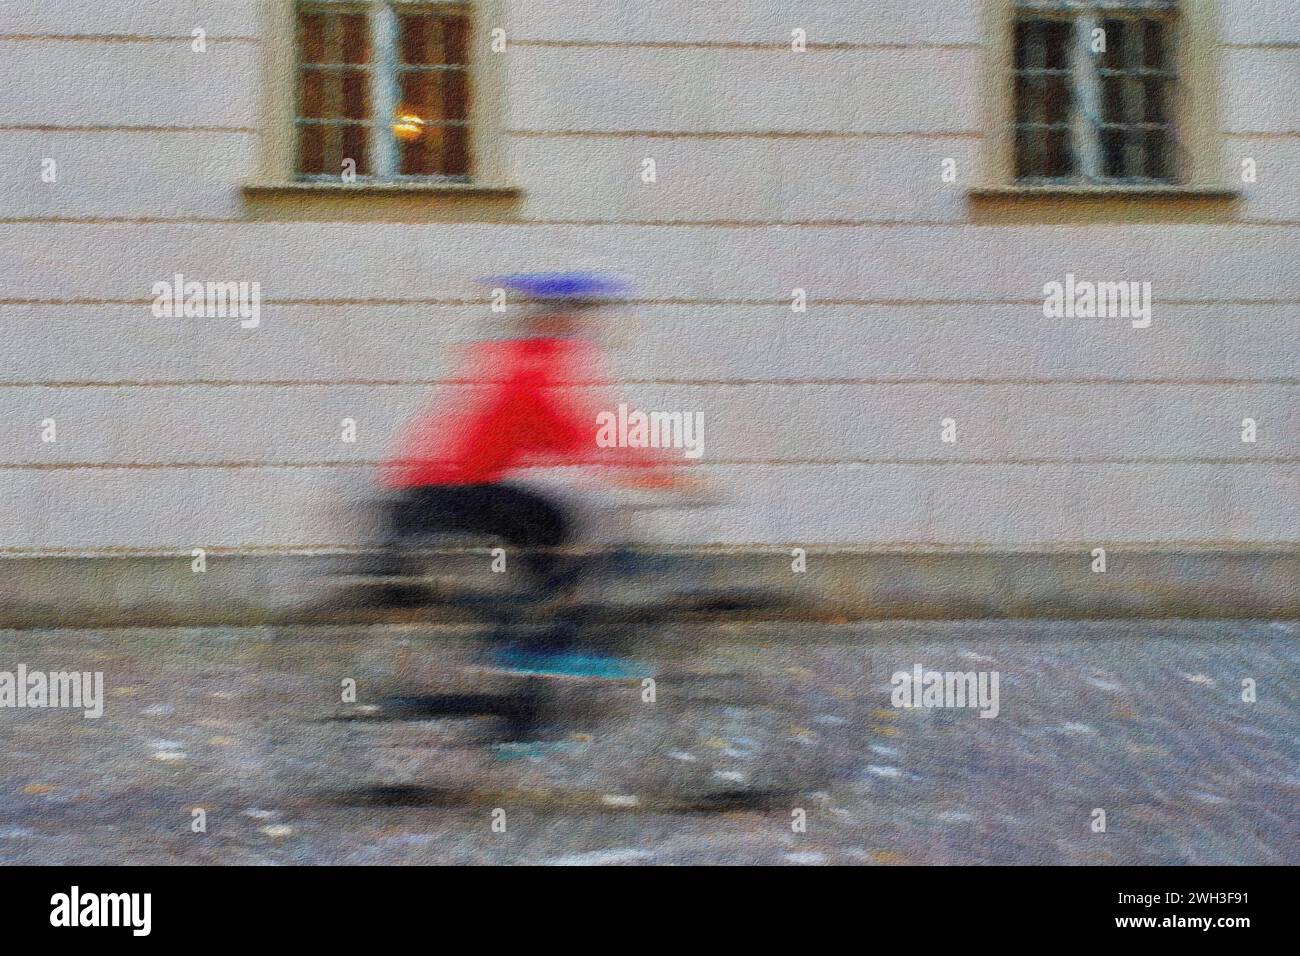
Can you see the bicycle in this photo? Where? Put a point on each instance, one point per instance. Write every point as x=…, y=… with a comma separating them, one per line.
x=622, y=715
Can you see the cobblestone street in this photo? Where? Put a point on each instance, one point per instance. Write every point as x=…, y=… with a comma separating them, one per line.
x=1142, y=719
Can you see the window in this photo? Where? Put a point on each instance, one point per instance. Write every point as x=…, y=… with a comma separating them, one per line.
x=1094, y=89
x=383, y=90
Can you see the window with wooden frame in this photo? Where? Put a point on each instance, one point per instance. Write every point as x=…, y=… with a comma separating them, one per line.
x=1094, y=88
x=383, y=89
x=383, y=95
x=1102, y=95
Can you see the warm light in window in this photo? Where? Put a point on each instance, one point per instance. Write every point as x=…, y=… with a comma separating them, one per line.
x=408, y=126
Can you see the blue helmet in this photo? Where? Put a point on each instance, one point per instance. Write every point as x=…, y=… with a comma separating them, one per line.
x=561, y=286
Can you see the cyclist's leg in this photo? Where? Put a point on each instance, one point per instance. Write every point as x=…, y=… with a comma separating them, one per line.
x=395, y=526
x=417, y=512
x=398, y=519
x=537, y=526
x=533, y=526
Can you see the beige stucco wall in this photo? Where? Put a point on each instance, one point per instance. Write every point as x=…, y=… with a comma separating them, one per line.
x=776, y=170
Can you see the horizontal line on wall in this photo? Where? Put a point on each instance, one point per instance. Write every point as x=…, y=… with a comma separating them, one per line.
x=719, y=223
x=814, y=134
x=606, y=134
x=457, y=303
x=739, y=134
x=783, y=302
x=535, y=134
x=123, y=220
x=957, y=548
x=112, y=128
x=782, y=45
x=772, y=45
x=711, y=463
x=710, y=382
x=655, y=223
x=778, y=46
x=124, y=38
x=1263, y=45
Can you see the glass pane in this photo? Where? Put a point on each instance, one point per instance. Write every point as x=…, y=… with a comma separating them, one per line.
x=1135, y=153
x=1113, y=58
x=1112, y=153
x=356, y=146
x=356, y=95
x=1023, y=29
x=1029, y=100
x=1155, y=54
x=1059, y=156
x=1058, y=45
x=1160, y=154
x=455, y=38
x=430, y=39
x=421, y=95
x=311, y=94
x=311, y=37
x=441, y=151
x=355, y=38
x=420, y=39
x=423, y=157
x=455, y=95
x=455, y=151
x=1056, y=99
x=1029, y=153
x=1155, y=96
x=1112, y=99
x=419, y=157
x=311, y=150
x=1030, y=45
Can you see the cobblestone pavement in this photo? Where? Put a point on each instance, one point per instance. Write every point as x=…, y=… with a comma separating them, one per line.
x=1142, y=719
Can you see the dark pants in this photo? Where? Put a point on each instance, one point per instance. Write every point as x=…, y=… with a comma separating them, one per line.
x=530, y=525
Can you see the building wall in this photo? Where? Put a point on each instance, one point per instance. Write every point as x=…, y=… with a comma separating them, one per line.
x=776, y=170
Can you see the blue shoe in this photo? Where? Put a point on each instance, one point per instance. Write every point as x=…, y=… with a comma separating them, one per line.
x=535, y=663
x=536, y=749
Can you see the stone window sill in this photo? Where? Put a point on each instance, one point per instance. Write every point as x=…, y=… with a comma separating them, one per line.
x=410, y=201
x=1132, y=205
x=329, y=188
x=1152, y=191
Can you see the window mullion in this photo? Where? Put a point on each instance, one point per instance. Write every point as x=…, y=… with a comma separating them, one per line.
x=1085, y=121
x=383, y=87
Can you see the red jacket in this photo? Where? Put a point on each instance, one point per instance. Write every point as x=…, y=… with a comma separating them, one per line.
x=521, y=410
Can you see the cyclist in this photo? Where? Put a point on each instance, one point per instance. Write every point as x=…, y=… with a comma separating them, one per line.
x=525, y=404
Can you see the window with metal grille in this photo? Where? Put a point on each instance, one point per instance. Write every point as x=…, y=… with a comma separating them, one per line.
x=1094, y=88
x=384, y=84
